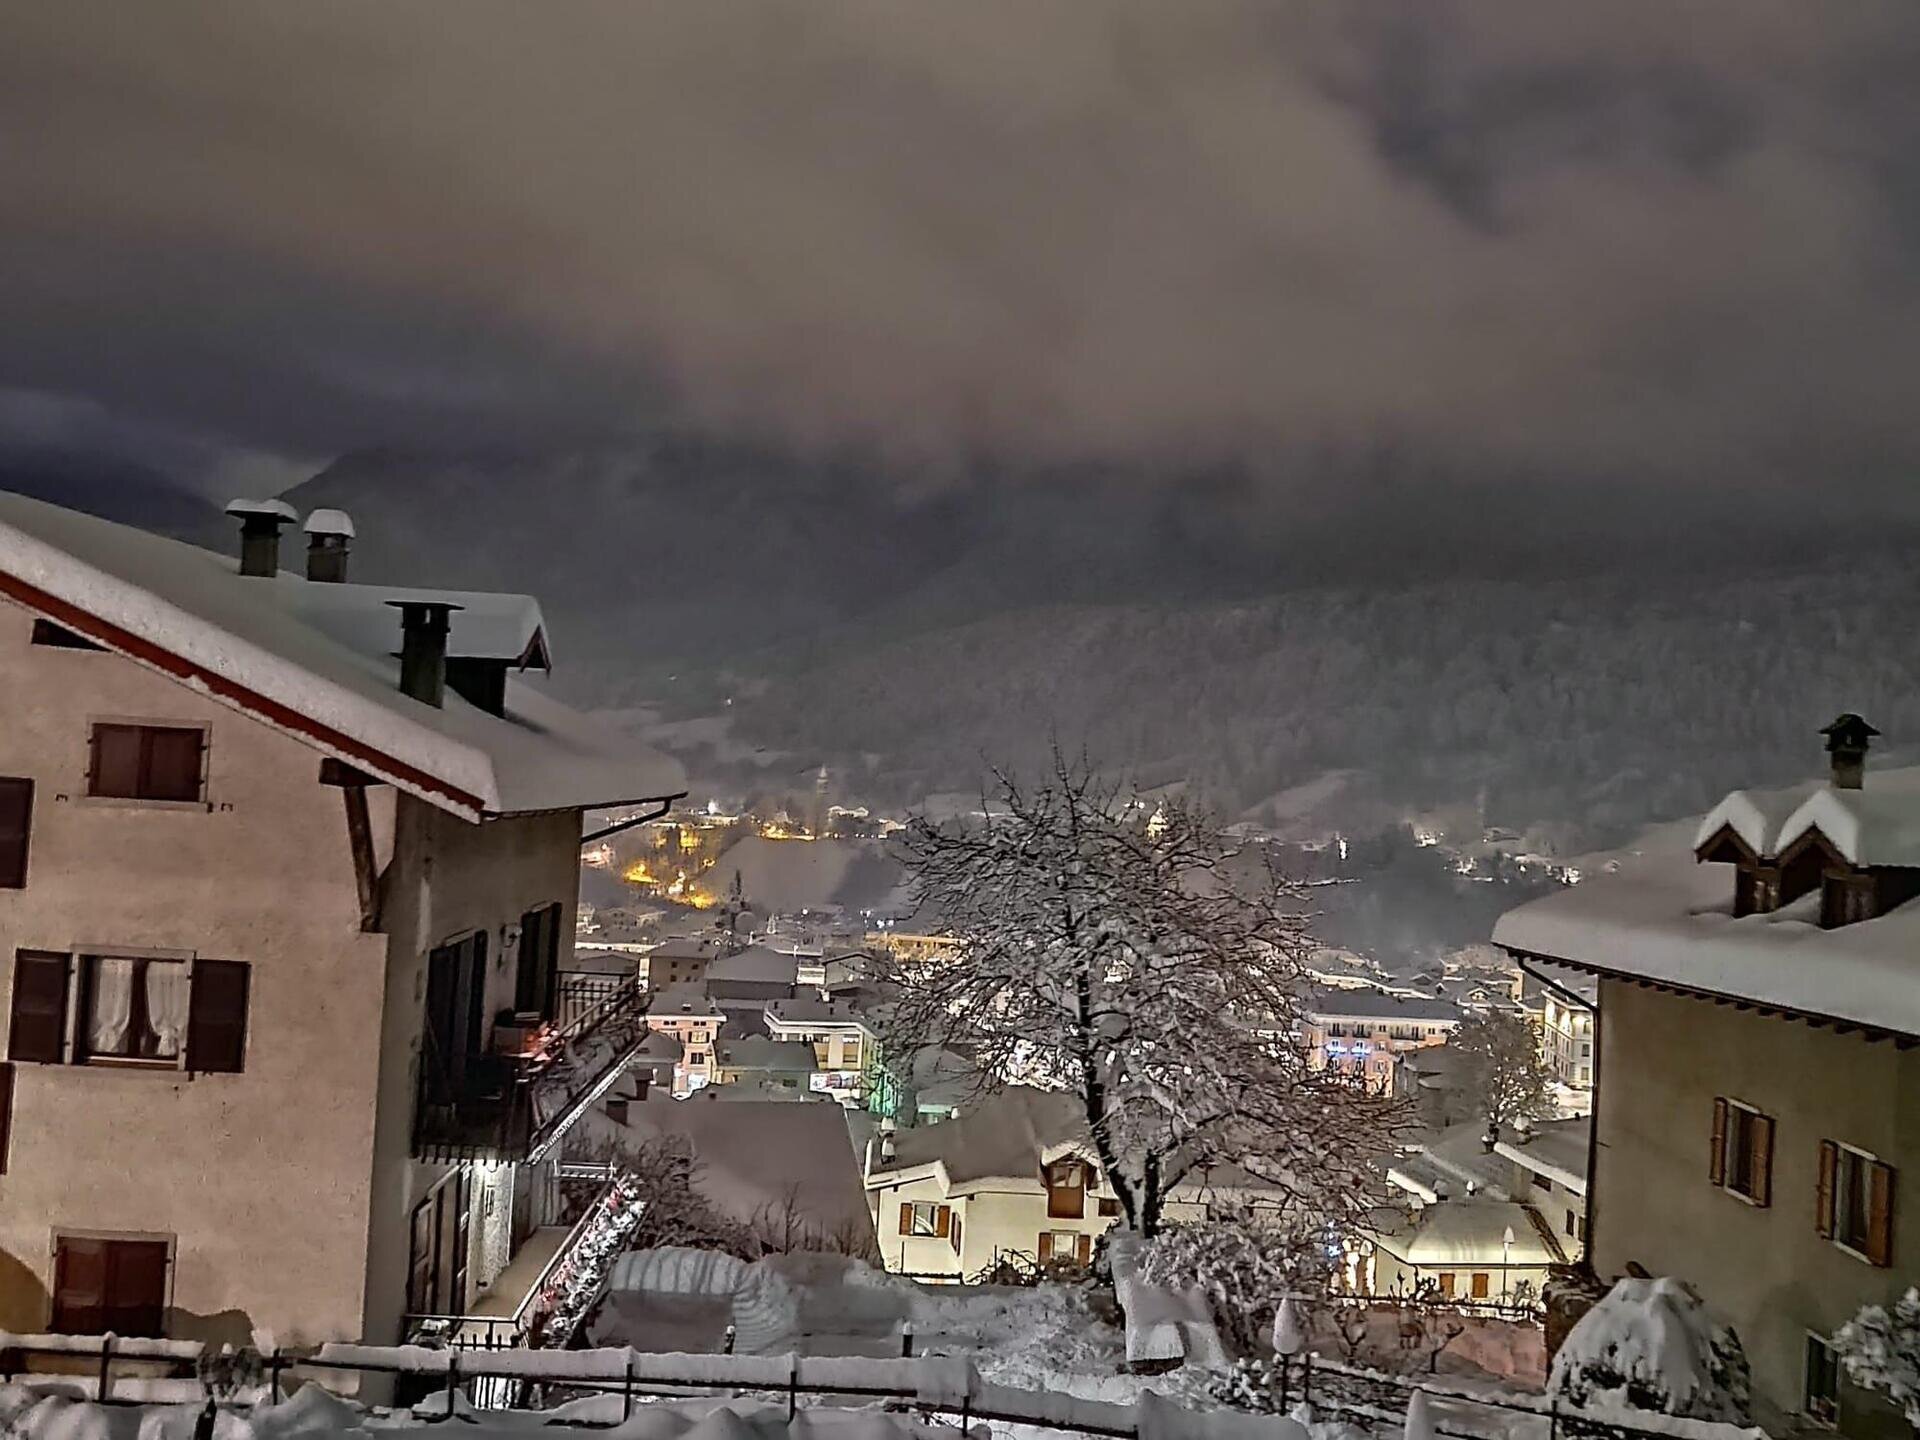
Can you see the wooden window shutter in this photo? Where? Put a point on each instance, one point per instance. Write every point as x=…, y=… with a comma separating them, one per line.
x=1823, y=1196
x=906, y=1217
x=1046, y=1246
x=6, y=1113
x=137, y=1287
x=1880, y=1213
x=942, y=1220
x=1717, y=1160
x=217, y=1019
x=1083, y=1249
x=80, y=1286
x=38, y=1030
x=1763, y=1160
x=16, y=823
x=113, y=762
x=172, y=767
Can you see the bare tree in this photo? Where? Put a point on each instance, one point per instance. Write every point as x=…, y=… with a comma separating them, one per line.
x=1504, y=1076
x=1133, y=956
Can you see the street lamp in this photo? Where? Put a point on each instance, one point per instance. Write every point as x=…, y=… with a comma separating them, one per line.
x=1506, y=1262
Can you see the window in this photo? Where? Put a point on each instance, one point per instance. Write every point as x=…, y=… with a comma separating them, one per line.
x=1854, y=1206
x=102, y=1284
x=1109, y=1207
x=1066, y=1190
x=1573, y=1224
x=45, y=632
x=1539, y=1181
x=954, y=1235
x=538, y=971
x=146, y=762
x=1064, y=1245
x=1482, y=1285
x=1823, y=1382
x=696, y=1057
x=925, y=1219
x=16, y=822
x=1447, y=1283
x=1741, y=1160
x=169, y=1013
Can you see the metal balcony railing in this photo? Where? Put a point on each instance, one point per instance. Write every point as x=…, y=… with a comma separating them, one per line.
x=512, y=1108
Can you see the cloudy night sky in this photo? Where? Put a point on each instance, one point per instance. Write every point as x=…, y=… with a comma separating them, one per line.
x=1637, y=241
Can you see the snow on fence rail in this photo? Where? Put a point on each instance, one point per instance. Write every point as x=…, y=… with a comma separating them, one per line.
x=945, y=1384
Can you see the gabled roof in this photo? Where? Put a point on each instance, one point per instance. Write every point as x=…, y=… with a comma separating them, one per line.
x=1753, y=815
x=1879, y=825
x=307, y=658
x=1662, y=919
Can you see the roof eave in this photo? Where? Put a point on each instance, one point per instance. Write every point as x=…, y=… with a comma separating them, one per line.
x=270, y=712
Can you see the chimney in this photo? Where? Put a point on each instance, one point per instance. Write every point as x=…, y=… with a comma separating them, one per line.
x=329, y=539
x=423, y=649
x=260, y=522
x=1847, y=741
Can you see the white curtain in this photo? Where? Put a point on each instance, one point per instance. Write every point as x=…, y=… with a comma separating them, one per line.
x=169, y=996
x=112, y=1005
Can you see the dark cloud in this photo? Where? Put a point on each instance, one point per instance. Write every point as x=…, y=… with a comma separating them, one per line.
x=1667, y=240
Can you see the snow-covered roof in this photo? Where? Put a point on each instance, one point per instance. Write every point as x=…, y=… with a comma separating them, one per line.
x=1879, y=825
x=1754, y=816
x=755, y=962
x=1341, y=1004
x=756, y=1053
x=683, y=1001
x=1557, y=1149
x=811, y=1010
x=1002, y=1138
x=307, y=659
x=1460, y=1234
x=1661, y=917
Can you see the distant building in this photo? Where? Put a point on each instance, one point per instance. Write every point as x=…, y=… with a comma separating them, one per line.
x=682, y=960
x=1362, y=1032
x=687, y=1014
x=1758, y=1066
x=843, y=1044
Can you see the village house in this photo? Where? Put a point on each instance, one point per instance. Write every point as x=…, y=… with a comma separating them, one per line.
x=1012, y=1179
x=287, y=877
x=690, y=1016
x=844, y=1045
x=1363, y=1032
x=1758, y=1085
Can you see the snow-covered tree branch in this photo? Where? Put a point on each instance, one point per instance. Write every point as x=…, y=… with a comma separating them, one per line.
x=1131, y=954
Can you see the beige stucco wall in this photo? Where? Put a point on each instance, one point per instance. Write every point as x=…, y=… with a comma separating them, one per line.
x=450, y=879
x=261, y=1178
x=1663, y=1060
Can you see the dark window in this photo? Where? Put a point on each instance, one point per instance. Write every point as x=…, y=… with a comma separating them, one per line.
x=1539, y=1181
x=16, y=823
x=146, y=762
x=102, y=1285
x=133, y=1008
x=38, y=1030
x=437, y=1248
x=1482, y=1285
x=456, y=991
x=539, y=967
x=1823, y=1382
x=1109, y=1207
x=45, y=632
x=217, y=1027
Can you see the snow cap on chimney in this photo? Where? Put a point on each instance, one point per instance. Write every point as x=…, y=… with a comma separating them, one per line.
x=260, y=522
x=329, y=536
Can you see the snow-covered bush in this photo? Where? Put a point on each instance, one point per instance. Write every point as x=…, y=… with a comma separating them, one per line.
x=1881, y=1351
x=1243, y=1263
x=1650, y=1344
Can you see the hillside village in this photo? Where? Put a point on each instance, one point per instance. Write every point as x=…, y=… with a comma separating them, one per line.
x=429, y=1028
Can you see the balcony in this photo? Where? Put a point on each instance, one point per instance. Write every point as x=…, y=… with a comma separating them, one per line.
x=511, y=1108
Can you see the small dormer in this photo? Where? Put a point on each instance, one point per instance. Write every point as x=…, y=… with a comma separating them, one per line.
x=1859, y=848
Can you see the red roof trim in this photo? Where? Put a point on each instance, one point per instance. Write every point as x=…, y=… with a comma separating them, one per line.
x=273, y=712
